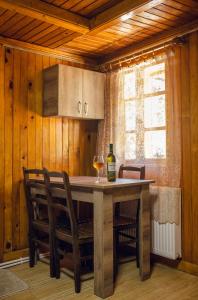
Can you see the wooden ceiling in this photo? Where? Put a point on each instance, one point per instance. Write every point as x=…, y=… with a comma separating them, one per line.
x=86, y=8
x=93, y=28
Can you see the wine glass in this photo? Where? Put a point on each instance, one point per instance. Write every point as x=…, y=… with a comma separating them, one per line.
x=98, y=163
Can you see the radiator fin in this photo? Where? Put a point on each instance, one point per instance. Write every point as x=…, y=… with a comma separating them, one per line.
x=166, y=240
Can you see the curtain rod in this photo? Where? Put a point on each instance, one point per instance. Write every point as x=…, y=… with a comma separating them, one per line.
x=130, y=58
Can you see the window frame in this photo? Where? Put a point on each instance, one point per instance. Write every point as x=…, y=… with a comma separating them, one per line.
x=139, y=98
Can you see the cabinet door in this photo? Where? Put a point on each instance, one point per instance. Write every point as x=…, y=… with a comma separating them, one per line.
x=70, y=91
x=88, y=94
x=99, y=95
x=93, y=95
x=50, y=91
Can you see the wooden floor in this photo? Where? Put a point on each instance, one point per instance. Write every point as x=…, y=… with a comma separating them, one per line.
x=164, y=284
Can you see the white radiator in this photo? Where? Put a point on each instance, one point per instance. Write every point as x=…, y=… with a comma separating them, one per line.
x=166, y=240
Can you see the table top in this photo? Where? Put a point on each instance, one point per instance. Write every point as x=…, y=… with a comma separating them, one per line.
x=90, y=182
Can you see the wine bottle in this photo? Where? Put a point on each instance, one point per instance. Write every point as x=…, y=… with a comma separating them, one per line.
x=111, y=165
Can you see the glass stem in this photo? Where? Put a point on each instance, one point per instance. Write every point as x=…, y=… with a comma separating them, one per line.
x=98, y=175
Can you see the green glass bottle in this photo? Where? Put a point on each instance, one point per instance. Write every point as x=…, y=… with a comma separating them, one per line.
x=111, y=165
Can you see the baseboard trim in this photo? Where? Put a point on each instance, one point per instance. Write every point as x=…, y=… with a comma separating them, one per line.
x=14, y=255
x=173, y=263
x=22, y=260
x=178, y=264
x=188, y=267
x=12, y=263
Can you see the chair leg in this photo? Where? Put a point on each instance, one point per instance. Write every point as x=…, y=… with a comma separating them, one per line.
x=57, y=267
x=115, y=254
x=137, y=235
x=137, y=255
x=52, y=257
x=76, y=257
x=37, y=255
x=56, y=262
x=52, y=265
x=32, y=252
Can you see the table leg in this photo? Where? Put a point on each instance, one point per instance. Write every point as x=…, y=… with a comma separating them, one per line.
x=144, y=233
x=103, y=244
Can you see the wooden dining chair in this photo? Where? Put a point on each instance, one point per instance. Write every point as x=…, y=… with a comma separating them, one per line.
x=67, y=231
x=39, y=237
x=126, y=228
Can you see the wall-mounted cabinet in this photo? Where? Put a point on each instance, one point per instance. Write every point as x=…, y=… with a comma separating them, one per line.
x=73, y=92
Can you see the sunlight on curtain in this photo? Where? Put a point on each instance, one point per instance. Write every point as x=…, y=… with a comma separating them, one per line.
x=143, y=121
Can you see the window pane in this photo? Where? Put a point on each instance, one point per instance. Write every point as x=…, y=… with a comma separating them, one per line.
x=154, y=111
x=130, y=146
x=155, y=144
x=129, y=85
x=130, y=115
x=154, y=78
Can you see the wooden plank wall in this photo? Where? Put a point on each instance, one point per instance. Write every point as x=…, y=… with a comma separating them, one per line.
x=189, y=78
x=27, y=139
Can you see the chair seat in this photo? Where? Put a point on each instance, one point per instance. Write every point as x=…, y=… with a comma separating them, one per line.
x=85, y=233
x=122, y=222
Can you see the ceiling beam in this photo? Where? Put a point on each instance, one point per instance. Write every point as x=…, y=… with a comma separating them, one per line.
x=126, y=7
x=48, y=13
x=149, y=43
x=65, y=55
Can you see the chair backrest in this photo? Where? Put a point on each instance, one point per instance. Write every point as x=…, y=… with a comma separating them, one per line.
x=140, y=170
x=35, y=191
x=133, y=169
x=59, y=194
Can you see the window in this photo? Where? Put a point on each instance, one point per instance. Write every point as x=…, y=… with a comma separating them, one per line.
x=145, y=112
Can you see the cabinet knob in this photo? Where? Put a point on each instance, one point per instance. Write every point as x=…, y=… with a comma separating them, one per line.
x=86, y=108
x=79, y=107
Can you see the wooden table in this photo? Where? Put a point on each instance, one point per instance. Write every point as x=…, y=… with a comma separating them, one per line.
x=103, y=195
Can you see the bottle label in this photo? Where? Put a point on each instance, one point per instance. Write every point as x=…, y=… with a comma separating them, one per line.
x=111, y=166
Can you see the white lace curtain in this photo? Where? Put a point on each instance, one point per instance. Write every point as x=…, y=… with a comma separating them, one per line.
x=166, y=172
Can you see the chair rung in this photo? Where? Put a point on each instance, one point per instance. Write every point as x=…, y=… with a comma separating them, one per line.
x=125, y=227
x=43, y=227
x=125, y=234
x=39, y=201
x=60, y=207
x=128, y=242
x=82, y=258
x=41, y=243
x=126, y=259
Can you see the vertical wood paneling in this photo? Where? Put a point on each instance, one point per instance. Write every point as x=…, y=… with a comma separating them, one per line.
x=29, y=140
x=16, y=149
x=71, y=147
x=91, y=136
x=39, y=109
x=65, y=144
x=23, y=144
x=186, y=159
x=59, y=143
x=194, y=139
x=8, y=187
x=190, y=150
x=2, y=161
x=52, y=131
x=46, y=127
x=31, y=111
x=76, y=147
x=82, y=148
